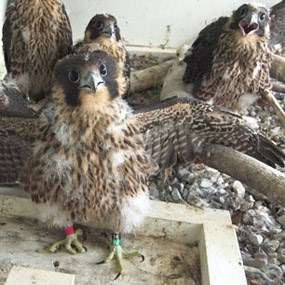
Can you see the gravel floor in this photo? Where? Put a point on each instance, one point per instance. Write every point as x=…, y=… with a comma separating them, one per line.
x=259, y=223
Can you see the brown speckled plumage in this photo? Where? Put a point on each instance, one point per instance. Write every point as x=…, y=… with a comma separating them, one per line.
x=89, y=162
x=35, y=35
x=92, y=155
x=230, y=60
x=103, y=32
x=17, y=136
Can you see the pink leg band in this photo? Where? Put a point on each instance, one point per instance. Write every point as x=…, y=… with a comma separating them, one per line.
x=69, y=231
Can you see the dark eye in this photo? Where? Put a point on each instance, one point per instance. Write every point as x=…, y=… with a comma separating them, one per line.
x=116, y=27
x=262, y=17
x=103, y=69
x=242, y=12
x=73, y=76
x=98, y=25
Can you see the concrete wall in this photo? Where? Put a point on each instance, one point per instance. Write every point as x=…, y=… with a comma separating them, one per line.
x=151, y=23
x=2, y=12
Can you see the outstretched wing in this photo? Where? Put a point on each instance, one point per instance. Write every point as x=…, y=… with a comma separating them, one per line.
x=17, y=136
x=177, y=129
x=18, y=130
x=199, y=60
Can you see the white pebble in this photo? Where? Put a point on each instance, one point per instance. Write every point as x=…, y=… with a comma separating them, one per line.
x=205, y=183
x=256, y=239
x=239, y=189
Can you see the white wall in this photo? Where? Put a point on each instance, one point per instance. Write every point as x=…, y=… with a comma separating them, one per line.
x=150, y=23
x=153, y=22
x=2, y=12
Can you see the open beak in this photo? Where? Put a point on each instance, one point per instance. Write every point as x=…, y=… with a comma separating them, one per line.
x=249, y=24
x=91, y=81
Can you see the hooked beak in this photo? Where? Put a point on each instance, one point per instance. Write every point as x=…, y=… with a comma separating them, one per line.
x=108, y=30
x=249, y=24
x=91, y=81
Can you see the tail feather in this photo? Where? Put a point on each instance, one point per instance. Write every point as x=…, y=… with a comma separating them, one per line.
x=268, y=152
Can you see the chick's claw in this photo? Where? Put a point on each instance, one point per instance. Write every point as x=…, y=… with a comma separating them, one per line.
x=119, y=254
x=71, y=243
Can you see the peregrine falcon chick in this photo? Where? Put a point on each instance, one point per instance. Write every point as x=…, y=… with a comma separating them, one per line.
x=103, y=32
x=35, y=35
x=230, y=60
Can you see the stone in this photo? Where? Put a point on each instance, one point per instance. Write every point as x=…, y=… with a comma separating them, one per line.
x=255, y=262
x=172, y=180
x=250, y=198
x=239, y=189
x=281, y=255
x=212, y=171
x=205, y=183
x=281, y=220
x=248, y=219
x=275, y=131
x=251, y=122
x=183, y=172
x=220, y=180
x=256, y=239
x=222, y=191
x=222, y=200
x=176, y=195
x=154, y=194
x=271, y=245
x=190, y=178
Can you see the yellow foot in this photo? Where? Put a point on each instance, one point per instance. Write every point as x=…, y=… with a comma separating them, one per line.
x=119, y=254
x=68, y=242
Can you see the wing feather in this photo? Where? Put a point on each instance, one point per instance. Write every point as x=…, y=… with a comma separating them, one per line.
x=176, y=130
x=64, y=35
x=17, y=136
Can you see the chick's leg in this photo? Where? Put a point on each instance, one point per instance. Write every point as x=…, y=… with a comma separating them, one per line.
x=270, y=98
x=117, y=252
x=71, y=242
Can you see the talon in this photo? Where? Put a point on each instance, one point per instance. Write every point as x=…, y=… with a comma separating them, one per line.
x=117, y=276
x=71, y=243
x=118, y=253
x=52, y=249
x=79, y=232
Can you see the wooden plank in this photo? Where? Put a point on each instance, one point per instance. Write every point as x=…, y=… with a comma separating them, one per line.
x=20, y=275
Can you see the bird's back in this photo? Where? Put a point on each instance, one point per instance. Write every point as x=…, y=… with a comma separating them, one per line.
x=35, y=35
x=199, y=60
